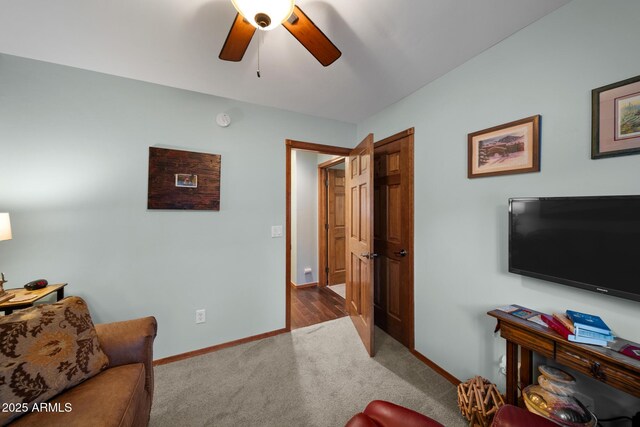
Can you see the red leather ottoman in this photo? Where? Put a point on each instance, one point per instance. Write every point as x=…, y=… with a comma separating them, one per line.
x=379, y=413
x=512, y=416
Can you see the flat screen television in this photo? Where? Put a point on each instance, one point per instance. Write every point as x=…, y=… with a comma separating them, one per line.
x=591, y=243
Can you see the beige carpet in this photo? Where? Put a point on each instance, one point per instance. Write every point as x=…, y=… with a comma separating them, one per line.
x=314, y=376
x=340, y=289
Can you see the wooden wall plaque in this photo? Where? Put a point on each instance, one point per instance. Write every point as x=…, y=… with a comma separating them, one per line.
x=183, y=180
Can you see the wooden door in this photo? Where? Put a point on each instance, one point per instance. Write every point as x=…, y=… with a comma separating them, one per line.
x=336, y=257
x=393, y=231
x=360, y=255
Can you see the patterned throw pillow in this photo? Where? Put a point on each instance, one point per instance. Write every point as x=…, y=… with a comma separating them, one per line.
x=45, y=350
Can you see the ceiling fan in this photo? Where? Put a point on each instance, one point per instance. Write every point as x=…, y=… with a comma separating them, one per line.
x=266, y=15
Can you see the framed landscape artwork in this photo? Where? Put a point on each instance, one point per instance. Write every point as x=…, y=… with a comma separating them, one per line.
x=183, y=180
x=615, y=122
x=506, y=149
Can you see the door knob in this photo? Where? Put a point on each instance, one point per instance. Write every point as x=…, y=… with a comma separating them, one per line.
x=369, y=255
x=401, y=253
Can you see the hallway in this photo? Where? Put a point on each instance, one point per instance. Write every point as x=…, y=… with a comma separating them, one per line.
x=314, y=305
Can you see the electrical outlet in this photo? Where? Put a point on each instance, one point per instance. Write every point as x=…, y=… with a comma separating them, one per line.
x=200, y=316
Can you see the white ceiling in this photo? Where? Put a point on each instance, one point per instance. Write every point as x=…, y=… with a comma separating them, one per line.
x=389, y=48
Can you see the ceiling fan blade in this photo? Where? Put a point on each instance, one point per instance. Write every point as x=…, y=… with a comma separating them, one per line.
x=311, y=37
x=237, y=40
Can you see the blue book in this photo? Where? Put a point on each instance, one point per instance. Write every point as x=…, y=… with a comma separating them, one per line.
x=586, y=333
x=585, y=340
x=589, y=322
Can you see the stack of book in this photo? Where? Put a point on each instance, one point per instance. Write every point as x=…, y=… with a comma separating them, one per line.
x=589, y=329
x=580, y=327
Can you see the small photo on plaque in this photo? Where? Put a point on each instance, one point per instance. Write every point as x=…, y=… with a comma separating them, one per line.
x=186, y=180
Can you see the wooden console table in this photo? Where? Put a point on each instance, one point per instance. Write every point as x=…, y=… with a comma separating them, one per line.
x=603, y=364
x=9, y=306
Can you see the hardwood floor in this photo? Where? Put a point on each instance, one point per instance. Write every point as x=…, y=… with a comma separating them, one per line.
x=314, y=305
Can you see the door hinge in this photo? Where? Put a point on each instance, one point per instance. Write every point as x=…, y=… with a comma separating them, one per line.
x=326, y=226
x=326, y=183
x=326, y=269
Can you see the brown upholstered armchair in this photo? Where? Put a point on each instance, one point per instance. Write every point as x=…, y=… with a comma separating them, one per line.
x=119, y=396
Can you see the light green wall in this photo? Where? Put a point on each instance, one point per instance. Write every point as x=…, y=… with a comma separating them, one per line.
x=74, y=167
x=548, y=68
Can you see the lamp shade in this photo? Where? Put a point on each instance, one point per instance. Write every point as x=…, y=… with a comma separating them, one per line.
x=5, y=227
x=264, y=14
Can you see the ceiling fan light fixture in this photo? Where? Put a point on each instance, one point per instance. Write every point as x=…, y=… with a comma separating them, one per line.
x=264, y=14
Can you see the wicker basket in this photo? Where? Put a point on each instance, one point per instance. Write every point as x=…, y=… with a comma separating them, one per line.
x=479, y=400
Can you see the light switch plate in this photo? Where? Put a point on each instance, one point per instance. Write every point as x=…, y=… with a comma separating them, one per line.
x=276, y=231
x=201, y=316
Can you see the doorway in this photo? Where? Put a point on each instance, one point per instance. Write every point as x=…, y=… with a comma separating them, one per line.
x=331, y=226
x=378, y=230
x=310, y=301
